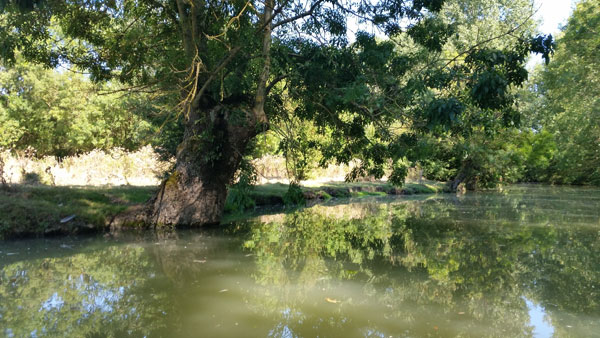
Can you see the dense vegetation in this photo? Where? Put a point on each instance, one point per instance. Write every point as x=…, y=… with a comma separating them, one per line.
x=441, y=86
x=567, y=104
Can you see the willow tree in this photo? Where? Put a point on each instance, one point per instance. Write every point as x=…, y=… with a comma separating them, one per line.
x=231, y=62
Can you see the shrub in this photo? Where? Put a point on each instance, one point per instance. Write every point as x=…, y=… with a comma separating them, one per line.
x=294, y=196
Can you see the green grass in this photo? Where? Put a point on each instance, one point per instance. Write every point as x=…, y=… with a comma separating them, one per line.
x=35, y=210
x=270, y=194
x=368, y=193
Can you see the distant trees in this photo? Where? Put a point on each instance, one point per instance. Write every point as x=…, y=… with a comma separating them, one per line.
x=561, y=107
x=549, y=133
x=570, y=89
x=64, y=113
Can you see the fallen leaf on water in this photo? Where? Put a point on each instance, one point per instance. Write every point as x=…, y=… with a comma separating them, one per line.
x=331, y=300
x=224, y=290
x=199, y=260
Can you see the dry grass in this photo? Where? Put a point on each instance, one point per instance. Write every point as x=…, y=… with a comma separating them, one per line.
x=96, y=168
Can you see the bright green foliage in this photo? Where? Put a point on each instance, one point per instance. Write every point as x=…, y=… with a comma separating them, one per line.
x=298, y=142
x=239, y=198
x=560, y=141
x=535, y=153
x=467, y=136
x=508, y=156
x=571, y=89
x=62, y=113
x=294, y=196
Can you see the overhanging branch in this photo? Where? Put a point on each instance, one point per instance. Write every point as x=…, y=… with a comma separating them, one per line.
x=299, y=16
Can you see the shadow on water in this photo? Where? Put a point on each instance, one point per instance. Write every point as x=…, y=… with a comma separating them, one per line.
x=517, y=263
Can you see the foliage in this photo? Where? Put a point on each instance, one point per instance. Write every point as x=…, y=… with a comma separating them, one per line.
x=298, y=144
x=63, y=113
x=473, y=148
x=536, y=152
x=294, y=196
x=570, y=92
x=558, y=138
x=249, y=59
x=239, y=198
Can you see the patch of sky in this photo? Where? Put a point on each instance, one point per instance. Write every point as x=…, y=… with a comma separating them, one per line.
x=55, y=302
x=542, y=328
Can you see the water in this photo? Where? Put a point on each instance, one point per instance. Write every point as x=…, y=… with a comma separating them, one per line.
x=519, y=263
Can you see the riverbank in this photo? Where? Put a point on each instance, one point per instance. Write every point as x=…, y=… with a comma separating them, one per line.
x=37, y=210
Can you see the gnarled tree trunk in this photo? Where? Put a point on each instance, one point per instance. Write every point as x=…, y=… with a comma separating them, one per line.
x=465, y=175
x=206, y=162
x=214, y=142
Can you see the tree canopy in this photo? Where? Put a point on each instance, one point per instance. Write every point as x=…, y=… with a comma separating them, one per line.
x=236, y=65
x=570, y=92
x=63, y=114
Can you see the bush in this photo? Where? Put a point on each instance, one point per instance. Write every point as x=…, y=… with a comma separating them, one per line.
x=294, y=196
x=239, y=197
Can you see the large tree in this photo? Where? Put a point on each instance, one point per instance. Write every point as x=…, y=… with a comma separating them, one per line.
x=233, y=62
x=570, y=92
x=474, y=151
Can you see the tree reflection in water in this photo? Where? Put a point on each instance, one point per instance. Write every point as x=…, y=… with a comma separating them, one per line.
x=447, y=266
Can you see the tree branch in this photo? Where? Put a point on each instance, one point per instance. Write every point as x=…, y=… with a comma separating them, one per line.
x=299, y=16
x=213, y=74
x=477, y=45
x=185, y=28
x=274, y=82
x=261, y=90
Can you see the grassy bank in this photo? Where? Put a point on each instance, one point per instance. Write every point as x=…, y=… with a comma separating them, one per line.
x=35, y=210
x=269, y=194
x=27, y=211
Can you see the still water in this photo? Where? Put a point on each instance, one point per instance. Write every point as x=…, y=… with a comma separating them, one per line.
x=524, y=262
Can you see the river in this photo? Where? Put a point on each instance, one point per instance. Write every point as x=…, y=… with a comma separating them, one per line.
x=521, y=262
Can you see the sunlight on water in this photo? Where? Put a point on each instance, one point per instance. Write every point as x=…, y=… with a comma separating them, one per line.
x=517, y=263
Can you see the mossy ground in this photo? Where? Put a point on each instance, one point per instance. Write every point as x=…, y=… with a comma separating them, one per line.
x=37, y=210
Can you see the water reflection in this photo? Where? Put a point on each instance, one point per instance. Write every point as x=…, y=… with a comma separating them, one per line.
x=519, y=263
x=538, y=319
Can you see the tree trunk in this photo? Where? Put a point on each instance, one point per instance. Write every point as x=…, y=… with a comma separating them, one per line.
x=206, y=162
x=3, y=183
x=465, y=175
x=214, y=142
